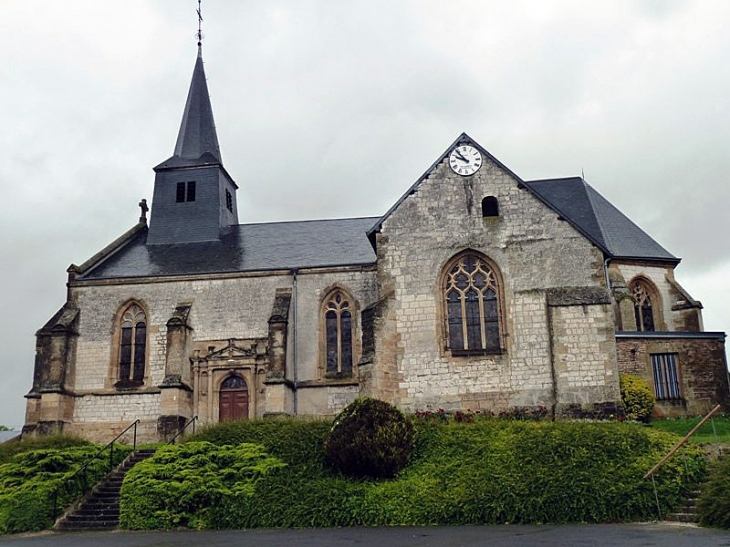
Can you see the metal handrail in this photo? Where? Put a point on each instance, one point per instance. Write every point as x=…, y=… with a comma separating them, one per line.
x=192, y=421
x=681, y=443
x=82, y=469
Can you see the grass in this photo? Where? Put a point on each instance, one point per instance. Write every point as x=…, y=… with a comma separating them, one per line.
x=705, y=435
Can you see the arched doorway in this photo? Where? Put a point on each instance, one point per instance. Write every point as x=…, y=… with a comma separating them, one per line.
x=233, y=400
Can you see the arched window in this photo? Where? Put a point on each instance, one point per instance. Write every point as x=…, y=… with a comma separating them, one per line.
x=490, y=207
x=643, y=308
x=132, y=347
x=472, y=306
x=338, y=335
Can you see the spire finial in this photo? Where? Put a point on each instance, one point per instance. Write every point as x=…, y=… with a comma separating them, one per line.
x=199, y=34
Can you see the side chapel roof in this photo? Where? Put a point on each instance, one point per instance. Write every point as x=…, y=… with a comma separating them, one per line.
x=594, y=216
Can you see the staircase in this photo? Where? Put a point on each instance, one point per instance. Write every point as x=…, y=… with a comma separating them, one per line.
x=100, y=509
x=688, y=511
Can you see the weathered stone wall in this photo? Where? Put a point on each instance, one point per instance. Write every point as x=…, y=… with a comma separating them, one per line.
x=533, y=250
x=701, y=364
x=312, y=288
x=220, y=309
x=584, y=351
x=672, y=312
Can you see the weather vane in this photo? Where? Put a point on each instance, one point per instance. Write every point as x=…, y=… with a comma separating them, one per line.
x=199, y=34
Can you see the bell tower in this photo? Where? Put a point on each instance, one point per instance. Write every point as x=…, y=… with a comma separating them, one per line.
x=194, y=198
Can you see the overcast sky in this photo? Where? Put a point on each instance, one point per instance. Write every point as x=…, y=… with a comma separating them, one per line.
x=331, y=109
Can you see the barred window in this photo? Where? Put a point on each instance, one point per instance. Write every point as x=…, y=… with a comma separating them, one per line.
x=472, y=306
x=643, y=308
x=132, y=346
x=666, y=379
x=338, y=335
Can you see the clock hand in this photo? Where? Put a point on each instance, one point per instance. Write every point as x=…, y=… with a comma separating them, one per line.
x=461, y=157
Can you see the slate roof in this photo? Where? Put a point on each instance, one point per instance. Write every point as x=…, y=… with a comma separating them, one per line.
x=577, y=202
x=246, y=247
x=197, y=140
x=596, y=218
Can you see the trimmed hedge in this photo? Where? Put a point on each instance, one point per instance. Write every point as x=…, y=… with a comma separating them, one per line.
x=714, y=502
x=10, y=449
x=487, y=472
x=183, y=485
x=29, y=478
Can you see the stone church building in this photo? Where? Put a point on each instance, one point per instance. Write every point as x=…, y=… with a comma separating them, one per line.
x=476, y=290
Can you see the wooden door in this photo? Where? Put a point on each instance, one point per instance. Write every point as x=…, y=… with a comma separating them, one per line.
x=233, y=400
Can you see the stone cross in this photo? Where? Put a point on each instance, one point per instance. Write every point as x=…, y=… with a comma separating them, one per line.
x=144, y=208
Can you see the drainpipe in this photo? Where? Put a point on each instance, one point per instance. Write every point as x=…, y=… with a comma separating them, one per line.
x=605, y=272
x=295, y=366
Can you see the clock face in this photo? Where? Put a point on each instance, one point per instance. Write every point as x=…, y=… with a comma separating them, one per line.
x=465, y=160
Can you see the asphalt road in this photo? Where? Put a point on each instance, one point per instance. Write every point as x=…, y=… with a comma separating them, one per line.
x=624, y=535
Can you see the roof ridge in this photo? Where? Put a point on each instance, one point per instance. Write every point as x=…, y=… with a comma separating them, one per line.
x=596, y=215
x=306, y=220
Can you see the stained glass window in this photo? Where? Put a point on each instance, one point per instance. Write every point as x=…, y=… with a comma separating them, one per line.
x=338, y=336
x=132, y=346
x=472, y=307
x=643, y=309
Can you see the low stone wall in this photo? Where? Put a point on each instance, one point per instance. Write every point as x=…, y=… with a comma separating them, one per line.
x=701, y=368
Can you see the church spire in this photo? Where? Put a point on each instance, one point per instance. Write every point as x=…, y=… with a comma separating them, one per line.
x=197, y=138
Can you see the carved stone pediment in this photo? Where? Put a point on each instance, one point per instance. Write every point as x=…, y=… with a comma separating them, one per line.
x=231, y=351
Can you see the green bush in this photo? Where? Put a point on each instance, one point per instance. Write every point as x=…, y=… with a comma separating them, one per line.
x=28, y=480
x=491, y=471
x=636, y=396
x=184, y=485
x=369, y=438
x=714, y=502
x=9, y=449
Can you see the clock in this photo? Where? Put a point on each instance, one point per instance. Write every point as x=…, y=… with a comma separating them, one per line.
x=465, y=160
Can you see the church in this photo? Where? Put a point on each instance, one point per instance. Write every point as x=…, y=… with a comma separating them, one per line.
x=476, y=290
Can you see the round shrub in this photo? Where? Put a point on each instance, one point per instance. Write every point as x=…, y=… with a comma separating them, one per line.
x=369, y=438
x=636, y=396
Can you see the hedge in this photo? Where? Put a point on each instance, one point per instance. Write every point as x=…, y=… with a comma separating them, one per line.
x=487, y=472
x=182, y=485
x=28, y=479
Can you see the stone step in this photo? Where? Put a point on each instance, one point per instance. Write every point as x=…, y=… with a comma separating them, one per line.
x=100, y=510
x=683, y=517
x=88, y=525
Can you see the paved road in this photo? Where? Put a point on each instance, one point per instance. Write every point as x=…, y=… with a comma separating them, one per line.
x=624, y=535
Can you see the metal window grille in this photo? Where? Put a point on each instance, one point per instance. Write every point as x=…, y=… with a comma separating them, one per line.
x=666, y=380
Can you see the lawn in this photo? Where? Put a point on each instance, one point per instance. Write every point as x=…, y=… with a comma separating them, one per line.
x=705, y=435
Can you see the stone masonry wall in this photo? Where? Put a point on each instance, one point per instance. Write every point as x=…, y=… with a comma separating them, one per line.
x=584, y=348
x=533, y=250
x=221, y=309
x=670, y=320
x=702, y=371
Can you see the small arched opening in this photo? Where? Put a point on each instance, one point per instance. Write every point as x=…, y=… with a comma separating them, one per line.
x=490, y=207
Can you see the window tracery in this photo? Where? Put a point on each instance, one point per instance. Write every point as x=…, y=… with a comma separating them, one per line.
x=472, y=306
x=338, y=327
x=643, y=307
x=132, y=347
